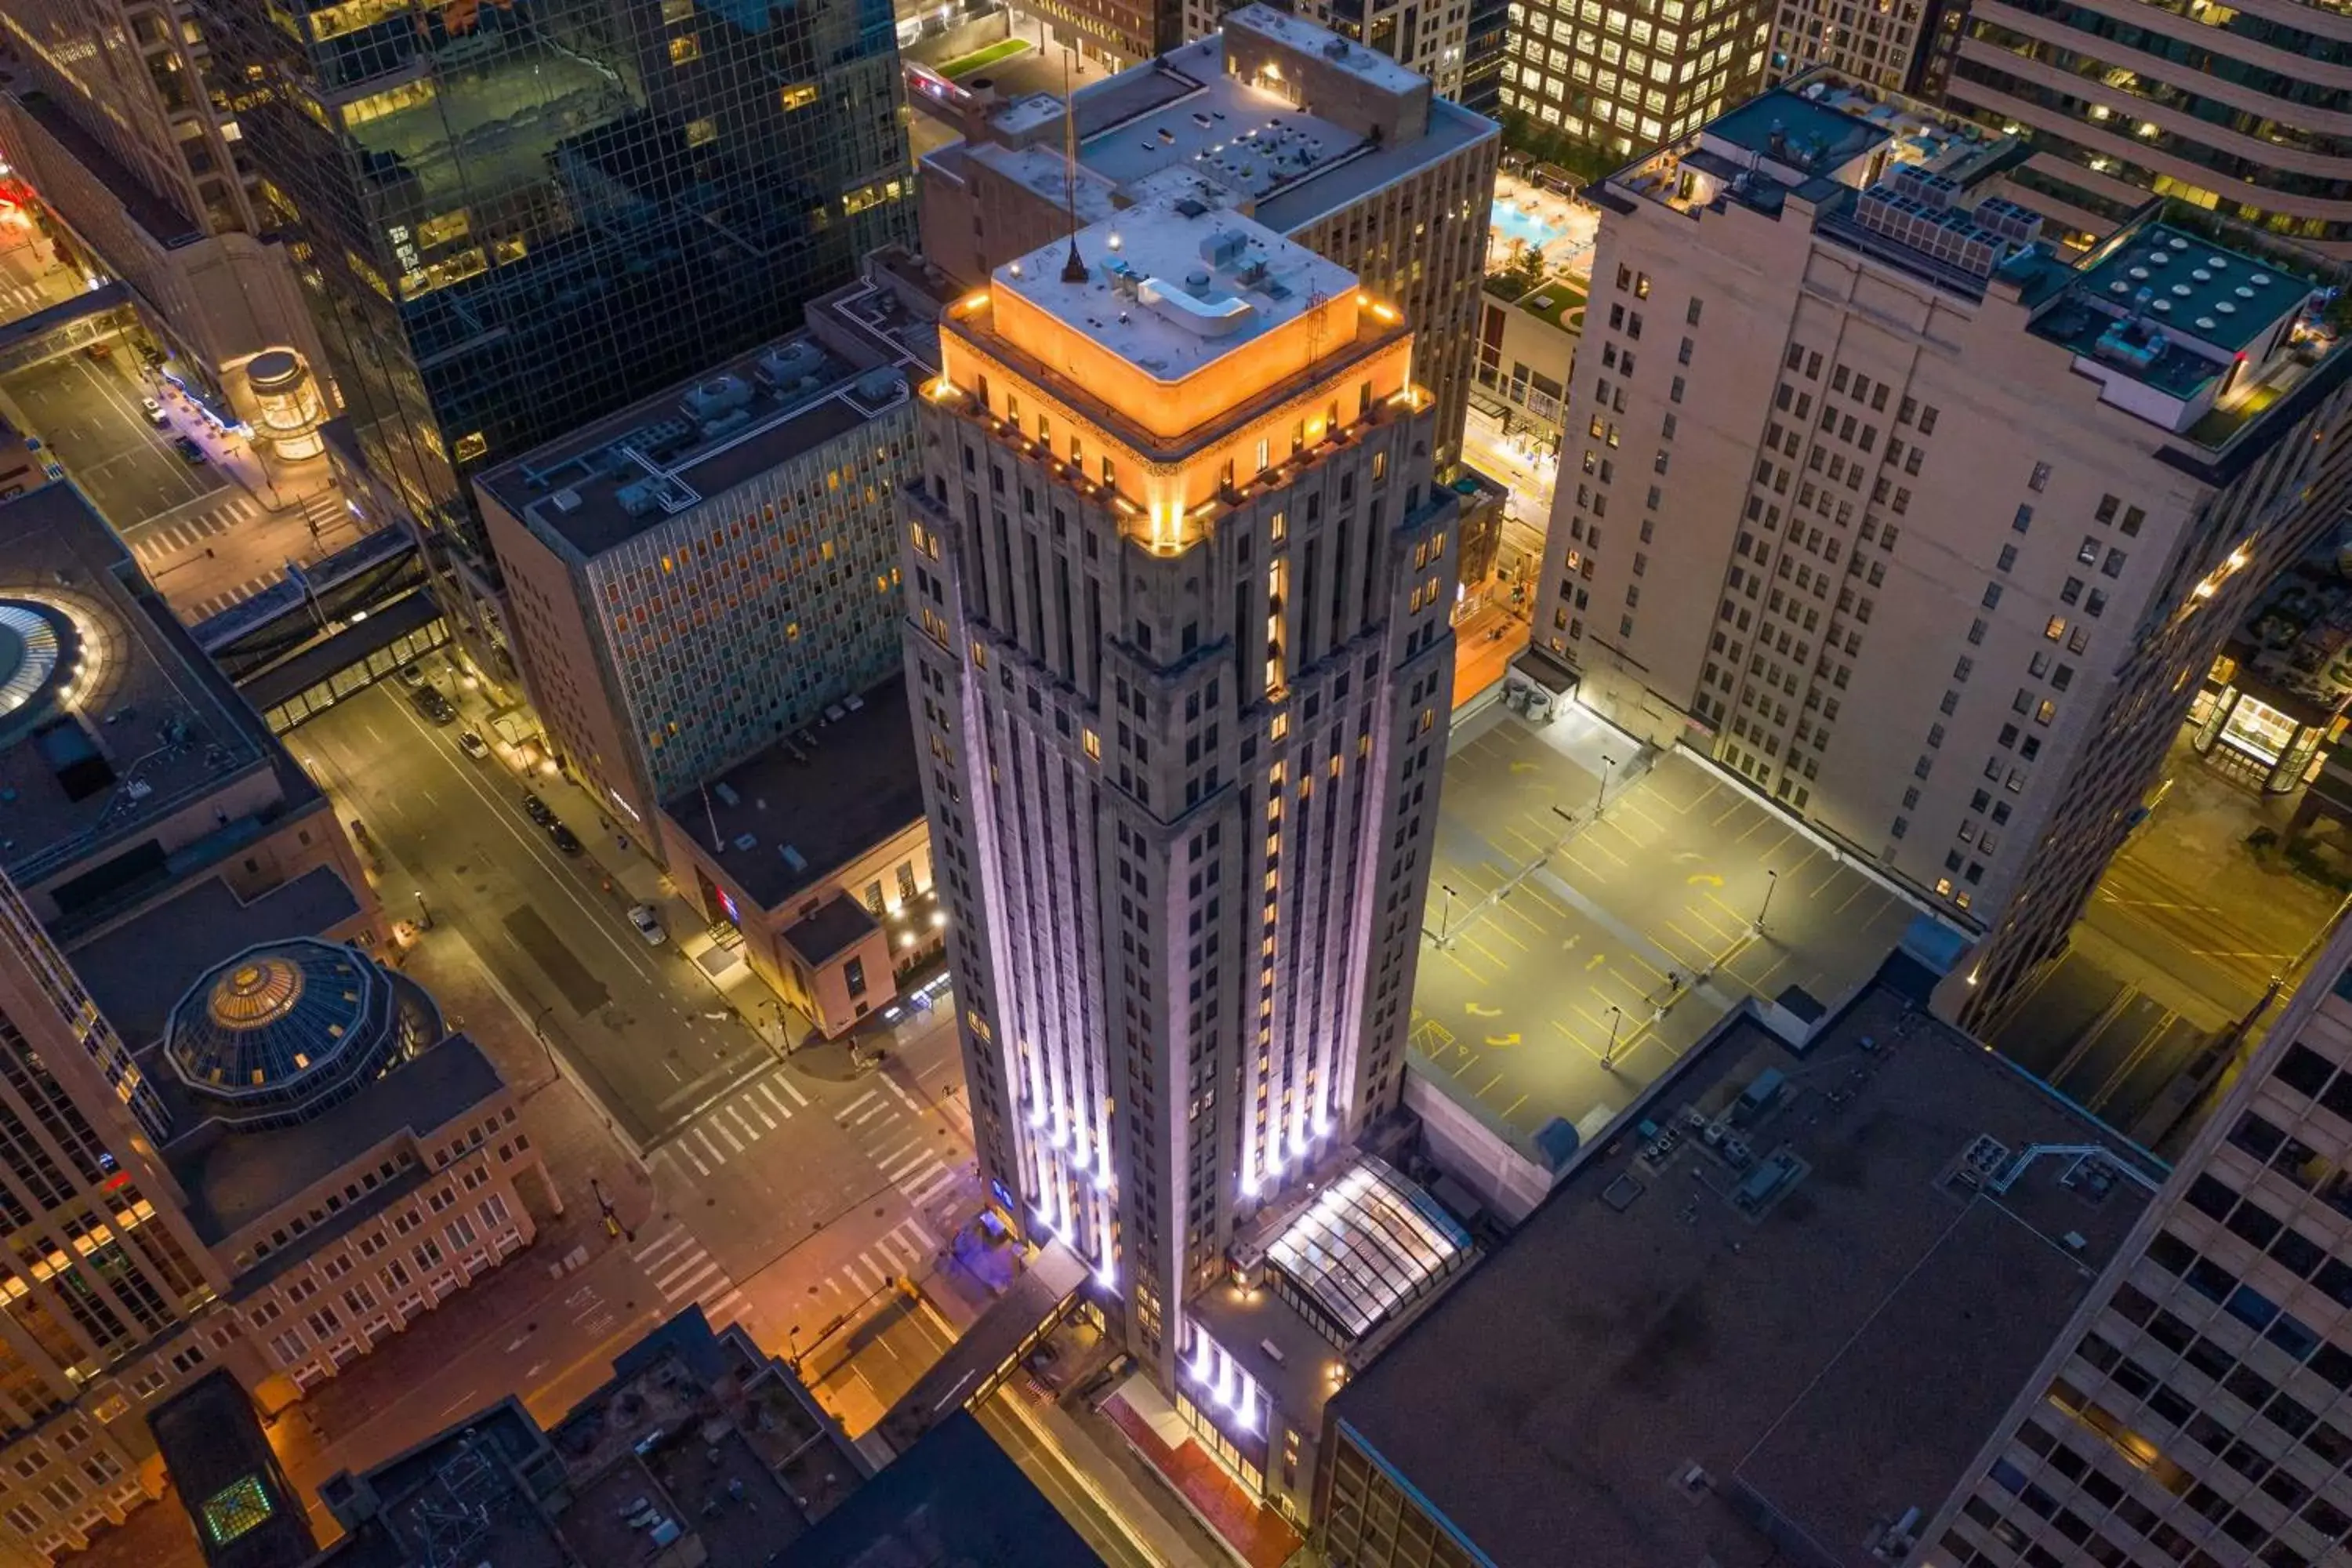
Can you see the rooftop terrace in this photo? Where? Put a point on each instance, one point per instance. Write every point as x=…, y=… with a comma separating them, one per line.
x=1799, y=1285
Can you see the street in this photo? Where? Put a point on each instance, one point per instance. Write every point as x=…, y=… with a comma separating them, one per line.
x=86, y=415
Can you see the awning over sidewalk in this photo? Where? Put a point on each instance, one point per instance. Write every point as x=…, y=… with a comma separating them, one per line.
x=1020, y=1318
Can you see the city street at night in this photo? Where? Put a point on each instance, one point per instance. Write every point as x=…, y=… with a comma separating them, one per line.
x=1560, y=990
x=86, y=413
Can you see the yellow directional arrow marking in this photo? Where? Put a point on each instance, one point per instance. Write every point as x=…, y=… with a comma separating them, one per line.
x=1475, y=1011
x=1503, y=1039
x=1707, y=878
x=1598, y=960
x=1523, y=767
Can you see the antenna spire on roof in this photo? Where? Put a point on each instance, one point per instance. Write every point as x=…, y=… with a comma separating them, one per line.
x=1074, y=269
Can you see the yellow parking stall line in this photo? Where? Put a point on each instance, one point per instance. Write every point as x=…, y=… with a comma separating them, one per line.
x=1484, y=952
x=1696, y=946
x=1514, y=1105
x=1510, y=907
x=1588, y=842
x=1738, y=918
x=1728, y=812
x=1861, y=885
x=1494, y=927
x=1535, y=845
x=1481, y=1090
x=1633, y=803
x=1455, y=958
x=1633, y=957
x=1531, y=890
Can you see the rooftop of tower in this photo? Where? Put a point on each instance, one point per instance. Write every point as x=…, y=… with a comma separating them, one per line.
x=1171, y=287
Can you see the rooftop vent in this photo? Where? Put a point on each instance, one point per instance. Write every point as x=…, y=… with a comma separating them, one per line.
x=566, y=500
x=792, y=857
x=719, y=396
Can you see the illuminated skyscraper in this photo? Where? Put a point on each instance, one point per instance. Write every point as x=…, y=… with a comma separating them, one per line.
x=1179, y=582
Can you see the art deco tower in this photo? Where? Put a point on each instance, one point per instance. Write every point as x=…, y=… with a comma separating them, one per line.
x=1179, y=580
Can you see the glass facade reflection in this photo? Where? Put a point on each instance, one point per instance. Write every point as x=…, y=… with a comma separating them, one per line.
x=513, y=215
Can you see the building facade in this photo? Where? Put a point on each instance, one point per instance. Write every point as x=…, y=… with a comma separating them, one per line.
x=2240, y=111
x=1179, y=573
x=507, y=228
x=2198, y=1408
x=1627, y=76
x=1893, y=47
x=713, y=566
x=1326, y=141
x=121, y=119
x=1429, y=38
x=1884, y=467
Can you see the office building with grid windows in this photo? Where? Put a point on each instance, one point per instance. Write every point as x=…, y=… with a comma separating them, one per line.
x=1624, y=77
x=511, y=221
x=1177, y=579
x=708, y=570
x=1888, y=44
x=1927, y=533
x=2198, y=1408
x=2238, y=109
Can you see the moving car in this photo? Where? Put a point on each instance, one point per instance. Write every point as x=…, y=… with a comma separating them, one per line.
x=563, y=838
x=190, y=453
x=648, y=924
x=537, y=810
x=99, y=350
x=473, y=745
x=154, y=412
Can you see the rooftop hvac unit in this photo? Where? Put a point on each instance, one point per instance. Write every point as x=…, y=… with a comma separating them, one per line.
x=566, y=500
x=720, y=395
x=638, y=499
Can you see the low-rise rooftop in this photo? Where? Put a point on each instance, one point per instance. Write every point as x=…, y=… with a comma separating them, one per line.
x=608, y=481
x=1784, y=1298
x=1173, y=288
x=111, y=721
x=794, y=812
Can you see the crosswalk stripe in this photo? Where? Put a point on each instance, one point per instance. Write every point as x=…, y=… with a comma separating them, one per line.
x=765, y=1120
x=704, y=1134
x=692, y=1283
x=892, y=1085
x=699, y=1168
x=920, y=1160
x=907, y=1183
x=930, y=1243
x=872, y=1112
x=881, y=1274
x=883, y=1153
x=933, y=1187
x=791, y=1088
x=667, y=1239
x=678, y=1266
x=733, y=1301
x=859, y=1101
x=740, y=1120
x=776, y=1099
x=728, y=1136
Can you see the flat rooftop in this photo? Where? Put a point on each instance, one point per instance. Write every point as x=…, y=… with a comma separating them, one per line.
x=2197, y=288
x=1187, y=311
x=466, y=1488
x=1180, y=114
x=956, y=1497
x=131, y=725
x=793, y=813
x=605, y=483
x=1820, y=1275
x=1819, y=138
x=232, y=1179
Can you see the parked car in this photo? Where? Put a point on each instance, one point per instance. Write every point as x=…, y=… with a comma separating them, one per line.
x=648, y=924
x=154, y=412
x=563, y=838
x=433, y=706
x=473, y=746
x=414, y=674
x=537, y=810
x=190, y=453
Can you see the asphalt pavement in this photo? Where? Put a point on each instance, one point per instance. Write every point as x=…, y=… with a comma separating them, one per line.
x=1580, y=935
x=86, y=413
x=641, y=1028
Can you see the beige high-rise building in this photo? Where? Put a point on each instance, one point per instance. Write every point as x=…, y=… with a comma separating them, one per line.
x=1326, y=141
x=2198, y=1408
x=1179, y=573
x=1626, y=76
x=1887, y=43
x=1926, y=533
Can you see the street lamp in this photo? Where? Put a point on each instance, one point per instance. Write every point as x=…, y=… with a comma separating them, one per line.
x=1771, y=880
x=1608, y=768
x=424, y=911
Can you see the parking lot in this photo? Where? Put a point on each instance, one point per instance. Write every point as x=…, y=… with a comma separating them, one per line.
x=1568, y=959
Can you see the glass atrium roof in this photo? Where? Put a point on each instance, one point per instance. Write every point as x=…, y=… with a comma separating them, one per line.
x=1368, y=1244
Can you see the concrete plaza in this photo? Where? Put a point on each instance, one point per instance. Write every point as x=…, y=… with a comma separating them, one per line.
x=1568, y=958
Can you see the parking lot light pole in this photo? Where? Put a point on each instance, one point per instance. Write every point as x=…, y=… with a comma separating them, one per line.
x=1445, y=916
x=1771, y=881
x=1609, y=1057
x=1608, y=767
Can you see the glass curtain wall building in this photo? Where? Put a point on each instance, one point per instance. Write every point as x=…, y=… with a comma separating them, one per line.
x=513, y=218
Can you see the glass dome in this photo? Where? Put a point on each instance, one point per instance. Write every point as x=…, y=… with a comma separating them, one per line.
x=284, y=1030
x=39, y=652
